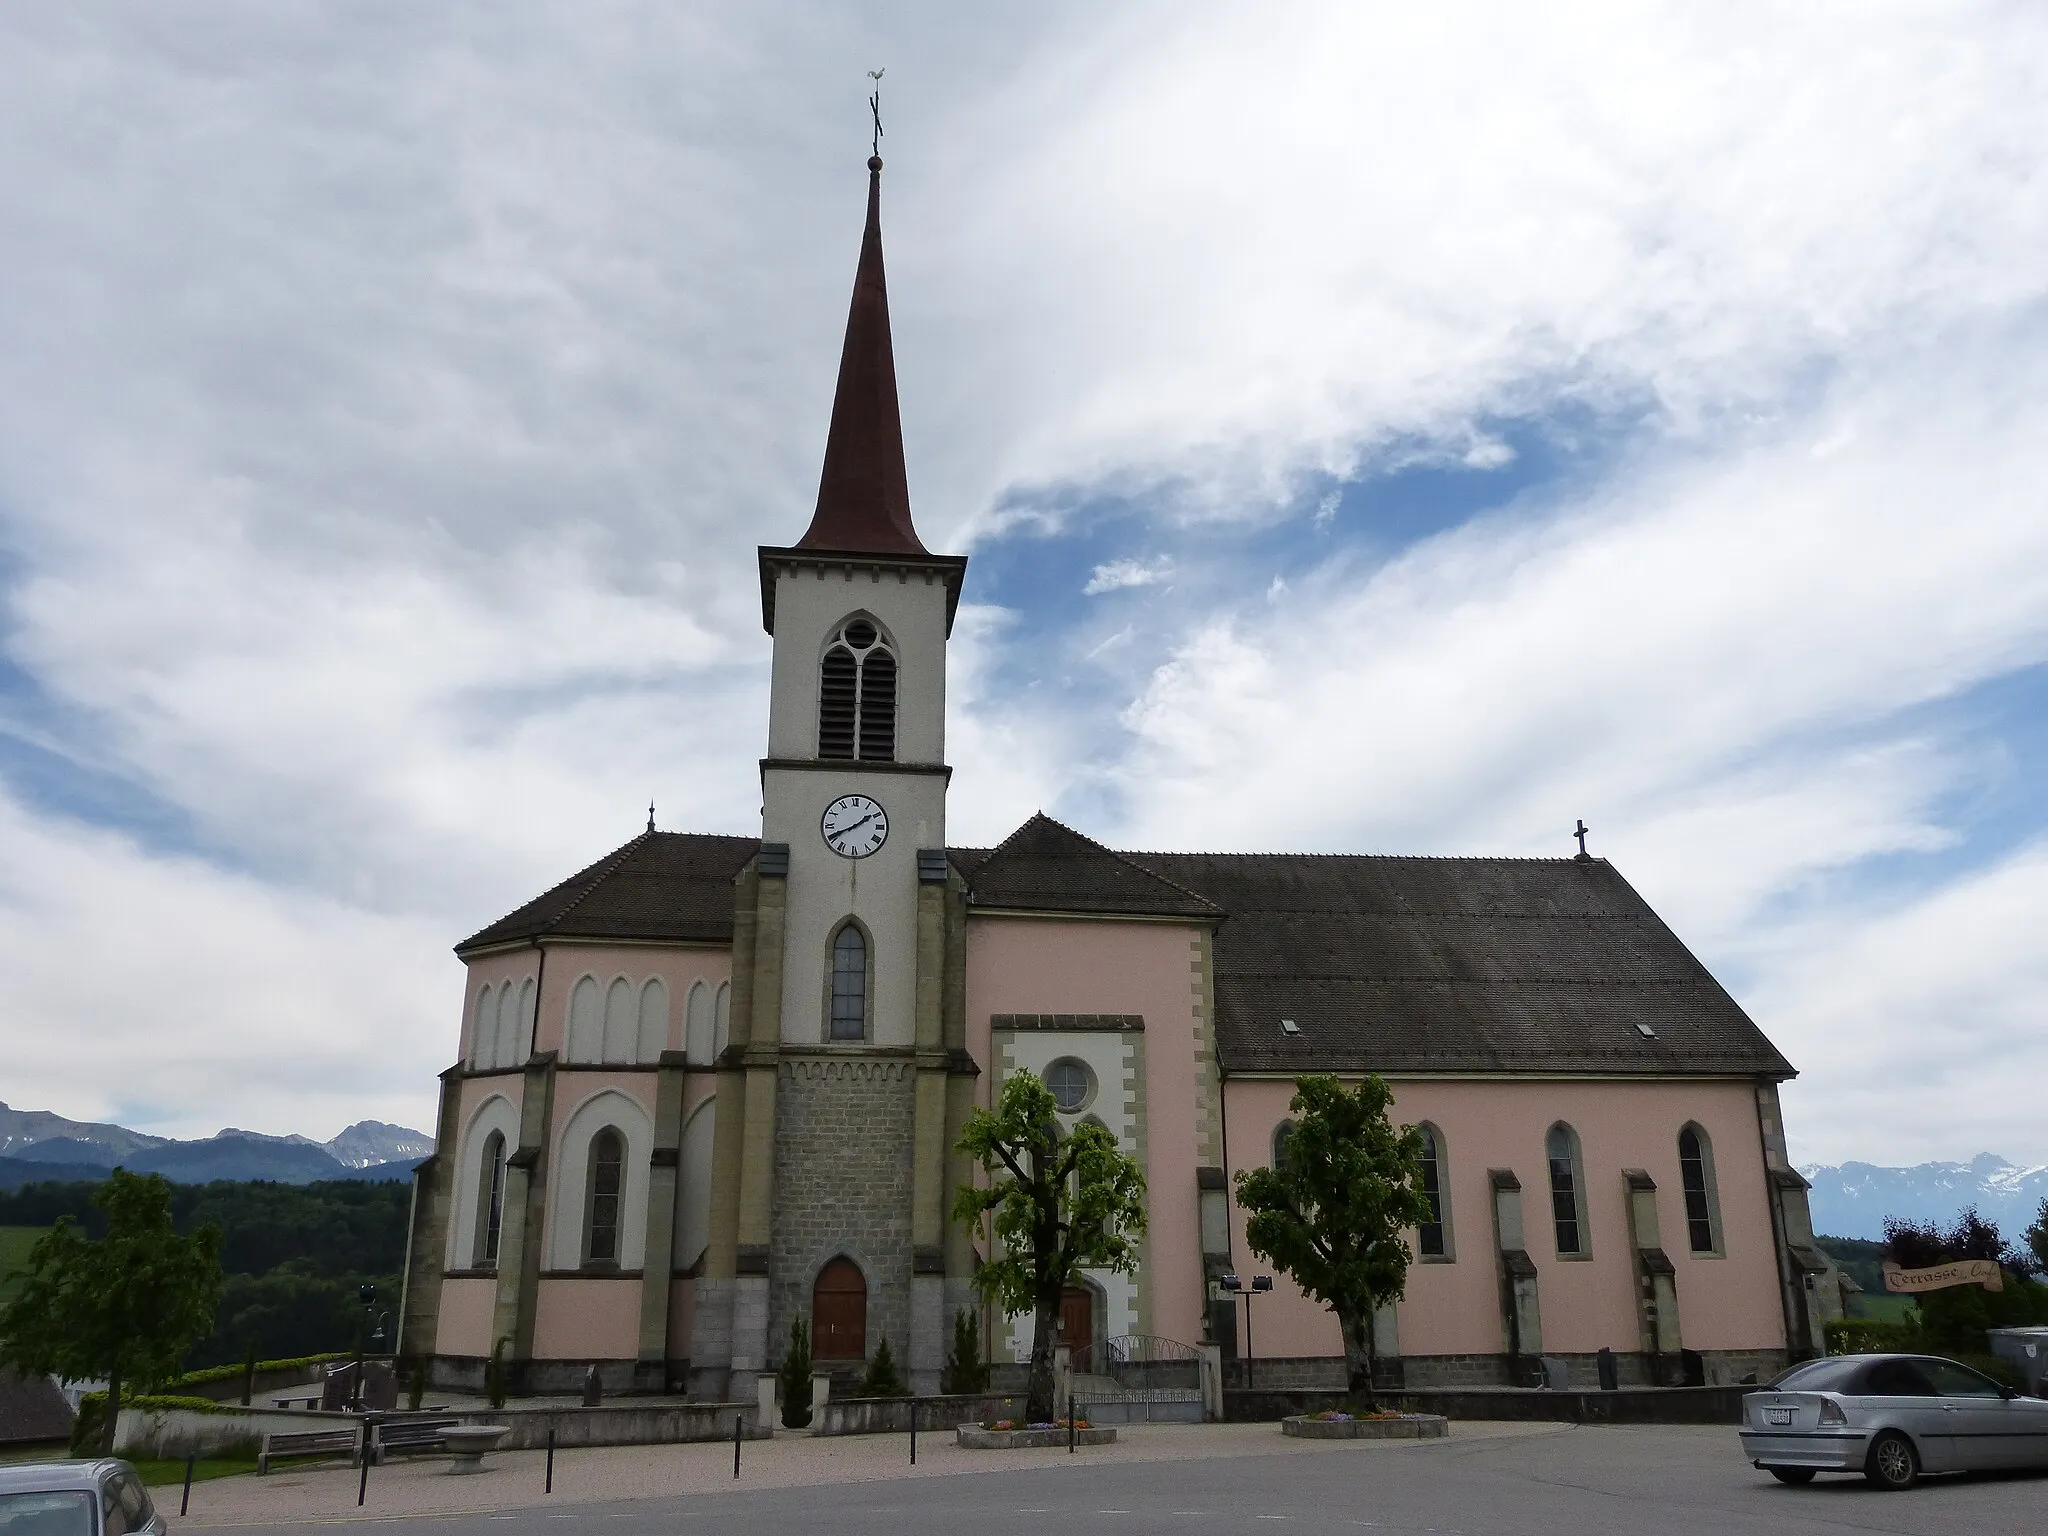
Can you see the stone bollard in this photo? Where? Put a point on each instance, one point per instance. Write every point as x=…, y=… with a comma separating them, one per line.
x=764, y=1398
x=821, y=1394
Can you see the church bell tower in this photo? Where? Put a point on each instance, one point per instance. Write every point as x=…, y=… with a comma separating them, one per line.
x=847, y=1077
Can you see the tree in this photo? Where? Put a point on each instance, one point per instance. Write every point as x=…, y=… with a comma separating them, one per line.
x=1059, y=1205
x=966, y=1372
x=1332, y=1215
x=881, y=1378
x=795, y=1372
x=2037, y=1238
x=127, y=1307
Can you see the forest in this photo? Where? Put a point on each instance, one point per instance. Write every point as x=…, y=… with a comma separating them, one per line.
x=295, y=1257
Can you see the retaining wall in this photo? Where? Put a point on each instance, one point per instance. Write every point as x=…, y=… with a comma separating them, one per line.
x=1637, y=1405
x=172, y=1434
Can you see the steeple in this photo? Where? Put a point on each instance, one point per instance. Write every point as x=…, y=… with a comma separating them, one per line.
x=864, y=492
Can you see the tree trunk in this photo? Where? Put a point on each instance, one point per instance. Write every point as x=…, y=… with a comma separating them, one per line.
x=1038, y=1404
x=113, y=1413
x=1358, y=1362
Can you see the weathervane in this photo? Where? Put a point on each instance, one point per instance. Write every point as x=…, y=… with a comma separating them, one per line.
x=875, y=106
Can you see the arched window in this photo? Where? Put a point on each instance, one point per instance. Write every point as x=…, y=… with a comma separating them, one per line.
x=1567, y=1191
x=849, y=984
x=857, y=696
x=523, y=1039
x=723, y=1030
x=490, y=1201
x=653, y=1020
x=601, y=1208
x=698, y=1028
x=1283, y=1133
x=483, y=1031
x=507, y=1052
x=1696, y=1174
x=586, y=1021
x=1433, y=1237
x=839, y=1312
x=621, y=1027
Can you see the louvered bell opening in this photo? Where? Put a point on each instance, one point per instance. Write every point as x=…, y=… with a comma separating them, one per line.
x=878, y=707
x=836, y=687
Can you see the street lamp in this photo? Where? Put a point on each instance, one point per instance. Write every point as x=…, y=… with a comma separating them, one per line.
x=367, y=1295
x=1237, y=1288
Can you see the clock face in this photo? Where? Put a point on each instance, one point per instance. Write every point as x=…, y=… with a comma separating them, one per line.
x=854, y=826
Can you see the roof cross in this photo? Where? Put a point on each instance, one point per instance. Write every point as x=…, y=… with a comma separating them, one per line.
x=875, y=106
x=1580, y=833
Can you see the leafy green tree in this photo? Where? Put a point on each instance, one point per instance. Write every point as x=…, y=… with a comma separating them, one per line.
x=127, y=1307
x=2037, y=1237
x=966, y=1371
x=1332, y=1216
x=1059, y=1205
x=795, y=1373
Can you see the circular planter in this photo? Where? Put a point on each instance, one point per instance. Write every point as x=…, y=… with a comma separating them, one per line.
x=974, y=1438
x=1407, y=1426
x=467, y=1444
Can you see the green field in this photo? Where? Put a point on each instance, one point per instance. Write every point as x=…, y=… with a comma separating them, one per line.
x=15, y=1243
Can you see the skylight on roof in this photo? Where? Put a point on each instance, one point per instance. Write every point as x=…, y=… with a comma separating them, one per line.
x=1289, y=1027
x=1645, y=1030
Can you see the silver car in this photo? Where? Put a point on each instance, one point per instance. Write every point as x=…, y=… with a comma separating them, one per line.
x=1890, y=1417
x=76, y=1498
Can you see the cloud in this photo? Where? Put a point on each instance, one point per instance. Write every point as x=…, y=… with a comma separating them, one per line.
x=390, y=405
x=1117, y=575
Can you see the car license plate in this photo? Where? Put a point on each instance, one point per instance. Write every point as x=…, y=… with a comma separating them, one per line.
x=1778, y=1415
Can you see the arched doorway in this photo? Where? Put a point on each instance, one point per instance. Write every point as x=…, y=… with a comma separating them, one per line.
x=1077, y=1325
x=839, y=1312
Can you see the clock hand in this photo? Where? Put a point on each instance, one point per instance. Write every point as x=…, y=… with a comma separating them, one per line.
x=843, y=831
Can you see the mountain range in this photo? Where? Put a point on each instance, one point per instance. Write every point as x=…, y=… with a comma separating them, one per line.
x=1854, y=1199
x=37, y=1145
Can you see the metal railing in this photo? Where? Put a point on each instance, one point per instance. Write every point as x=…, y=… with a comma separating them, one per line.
x=1139, y=1365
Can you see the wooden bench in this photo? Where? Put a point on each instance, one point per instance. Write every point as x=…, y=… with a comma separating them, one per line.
x=409, y=1435
x=312, y=1442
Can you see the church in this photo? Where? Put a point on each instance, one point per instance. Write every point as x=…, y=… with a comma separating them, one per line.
x=709, y=1084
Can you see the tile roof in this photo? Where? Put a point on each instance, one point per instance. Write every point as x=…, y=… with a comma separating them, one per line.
x=1383, y=963
x=1471, y=964
x=33, y=1410
x=1045, y=866
x=661, y=885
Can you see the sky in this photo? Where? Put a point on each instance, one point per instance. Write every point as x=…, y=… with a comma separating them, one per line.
x=1373, y=428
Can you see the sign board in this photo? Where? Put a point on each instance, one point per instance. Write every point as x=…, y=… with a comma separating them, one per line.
x=1912, y=1282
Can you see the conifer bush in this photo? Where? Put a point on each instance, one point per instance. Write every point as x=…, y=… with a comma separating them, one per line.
x=966, y=1372
x=795, y=1375
x=881, y=1379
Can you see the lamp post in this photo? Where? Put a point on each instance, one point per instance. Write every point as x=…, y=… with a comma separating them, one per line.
x=1237, y=1288
x=367, y=1295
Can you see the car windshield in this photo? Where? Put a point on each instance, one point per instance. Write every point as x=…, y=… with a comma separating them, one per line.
x=1820, y=1375
x=65, y=1513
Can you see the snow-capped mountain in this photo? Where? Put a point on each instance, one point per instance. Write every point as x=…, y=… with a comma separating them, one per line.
x=1854, y=1199
x=36, y=1144
x=377, y=1141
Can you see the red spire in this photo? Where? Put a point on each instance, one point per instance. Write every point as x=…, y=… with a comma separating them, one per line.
x=864, y=493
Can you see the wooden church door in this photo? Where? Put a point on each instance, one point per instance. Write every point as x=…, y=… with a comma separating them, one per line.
x=839, y=1312
x=1077, y=1324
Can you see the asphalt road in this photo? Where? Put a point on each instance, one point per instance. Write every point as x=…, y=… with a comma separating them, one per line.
x=1591, y=1480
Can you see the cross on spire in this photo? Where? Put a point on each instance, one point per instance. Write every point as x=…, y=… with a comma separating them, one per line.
x=1580, y=833
x=875, y=107
x=650, y=815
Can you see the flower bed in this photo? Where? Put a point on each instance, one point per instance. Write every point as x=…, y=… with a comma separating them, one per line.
x=1337, y=1425
x=1010, y=1434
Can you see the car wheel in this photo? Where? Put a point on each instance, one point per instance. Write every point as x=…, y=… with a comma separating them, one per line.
x=1793, y=1475
x=1893, y=1465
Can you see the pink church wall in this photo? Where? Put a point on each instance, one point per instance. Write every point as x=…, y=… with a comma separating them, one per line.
x=1045, y=965
x=465, y=1317
x=1726, y=1303
x=679, y=970
x=587, y=1320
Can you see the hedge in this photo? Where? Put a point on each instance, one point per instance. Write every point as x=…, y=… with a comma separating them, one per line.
x=215, y=1373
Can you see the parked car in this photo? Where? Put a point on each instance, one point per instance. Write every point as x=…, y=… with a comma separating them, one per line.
x=76, y=1498
x=1890, y=1417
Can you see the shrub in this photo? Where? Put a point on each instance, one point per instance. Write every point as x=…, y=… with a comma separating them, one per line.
x=494, y=1374
x=795, y=1373
x=881, y=1379
x=966, y=1373
x=1866, y=1336
x=215, y=1373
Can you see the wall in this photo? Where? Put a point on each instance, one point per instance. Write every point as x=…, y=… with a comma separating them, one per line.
x=1057, y=965
x=1725, y=1304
